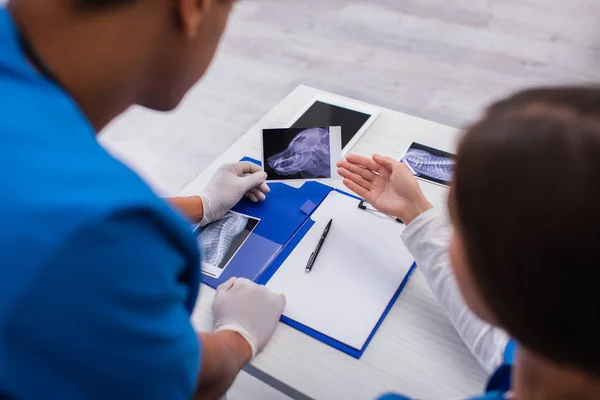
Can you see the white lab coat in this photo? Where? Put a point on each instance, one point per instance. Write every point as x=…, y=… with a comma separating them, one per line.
x=428, y=240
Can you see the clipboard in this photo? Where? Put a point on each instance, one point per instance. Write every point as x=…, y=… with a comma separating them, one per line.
x=282, y=215
x=285, y=222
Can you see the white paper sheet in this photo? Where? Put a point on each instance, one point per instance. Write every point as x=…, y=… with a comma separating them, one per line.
x=358, y=271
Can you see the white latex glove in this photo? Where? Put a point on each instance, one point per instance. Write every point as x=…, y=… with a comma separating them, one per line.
x=229, y=184
x=249, y=309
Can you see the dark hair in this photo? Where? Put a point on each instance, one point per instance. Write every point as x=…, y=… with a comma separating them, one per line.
x=526, y=197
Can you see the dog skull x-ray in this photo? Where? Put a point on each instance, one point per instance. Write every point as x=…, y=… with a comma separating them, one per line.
x=308, y=154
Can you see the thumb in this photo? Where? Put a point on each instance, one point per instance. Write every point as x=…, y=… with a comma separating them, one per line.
x=254, y=180
x=282, y=301
x=224, y=287
x=386, y=162
x=247, y=167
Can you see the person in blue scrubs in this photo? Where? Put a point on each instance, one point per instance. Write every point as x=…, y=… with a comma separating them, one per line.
x=99, y=276
x=518, y=257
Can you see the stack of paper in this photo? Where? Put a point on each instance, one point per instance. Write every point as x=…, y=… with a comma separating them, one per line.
x=360, y=267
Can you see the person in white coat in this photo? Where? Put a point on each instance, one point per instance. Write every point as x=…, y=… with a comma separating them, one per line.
x=519, y=251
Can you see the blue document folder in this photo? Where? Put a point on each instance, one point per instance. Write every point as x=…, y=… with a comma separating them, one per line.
x=284, y=221
x=281, y=215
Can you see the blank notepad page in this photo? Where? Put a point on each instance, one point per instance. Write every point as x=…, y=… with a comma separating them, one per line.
x=359, y=269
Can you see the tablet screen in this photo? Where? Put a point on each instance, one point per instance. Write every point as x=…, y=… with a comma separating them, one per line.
x=324, y=114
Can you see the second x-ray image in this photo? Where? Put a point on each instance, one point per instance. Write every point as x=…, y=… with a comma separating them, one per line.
x=301, y=153
x=220, y=241
x=429, y=164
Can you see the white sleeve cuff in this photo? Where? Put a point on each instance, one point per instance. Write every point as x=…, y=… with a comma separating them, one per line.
x=427, y=235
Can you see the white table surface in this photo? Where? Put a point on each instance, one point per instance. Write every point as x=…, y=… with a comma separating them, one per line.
x=416, y=351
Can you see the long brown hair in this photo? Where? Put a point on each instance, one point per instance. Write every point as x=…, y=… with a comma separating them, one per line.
x=526, y=195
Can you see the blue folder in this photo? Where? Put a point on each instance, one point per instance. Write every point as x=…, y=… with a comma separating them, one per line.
x=285, y=220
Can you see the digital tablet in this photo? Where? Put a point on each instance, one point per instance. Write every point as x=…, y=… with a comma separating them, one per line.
x=327, y=110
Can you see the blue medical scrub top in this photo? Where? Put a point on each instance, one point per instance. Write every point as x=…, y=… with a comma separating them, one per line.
x=498, y=385
x=98, y=276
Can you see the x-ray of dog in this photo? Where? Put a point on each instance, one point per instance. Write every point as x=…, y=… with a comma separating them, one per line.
x=301, y=153
x=308, y=154
x=429, y=164
x=220, y=240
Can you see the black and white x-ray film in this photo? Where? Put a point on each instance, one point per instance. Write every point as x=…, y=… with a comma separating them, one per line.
x=301, y=153
x=220, y=240
x=429, y=164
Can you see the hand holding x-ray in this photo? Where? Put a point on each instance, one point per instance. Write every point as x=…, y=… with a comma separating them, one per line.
x=386, y=184
x=230, y=183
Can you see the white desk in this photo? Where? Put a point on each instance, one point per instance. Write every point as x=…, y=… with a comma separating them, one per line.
x=416, y=352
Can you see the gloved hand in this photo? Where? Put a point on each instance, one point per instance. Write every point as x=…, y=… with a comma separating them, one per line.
x=249, y=309
x=229, y=184
x=386, y=184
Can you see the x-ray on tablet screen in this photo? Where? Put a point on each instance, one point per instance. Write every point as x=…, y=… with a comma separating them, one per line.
x=323, y=114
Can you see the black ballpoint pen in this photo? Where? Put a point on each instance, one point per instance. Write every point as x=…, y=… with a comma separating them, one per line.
x=313, y=256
